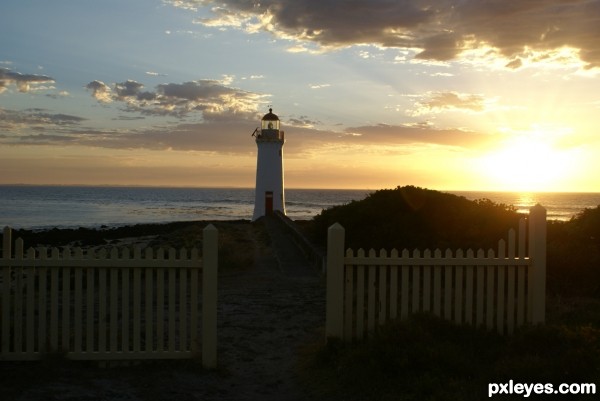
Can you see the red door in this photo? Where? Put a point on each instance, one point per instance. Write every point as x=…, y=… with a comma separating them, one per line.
x=268, y=203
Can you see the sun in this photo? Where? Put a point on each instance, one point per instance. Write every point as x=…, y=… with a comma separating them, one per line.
x=527, y=163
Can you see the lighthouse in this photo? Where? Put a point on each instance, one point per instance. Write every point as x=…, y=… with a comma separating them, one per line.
x=269, y=194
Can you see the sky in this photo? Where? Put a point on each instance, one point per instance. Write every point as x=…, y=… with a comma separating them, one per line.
x=452, y=95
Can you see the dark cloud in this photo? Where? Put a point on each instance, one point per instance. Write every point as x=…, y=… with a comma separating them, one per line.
x=302, y=121
x=12, y=119
x=441, y=29
x=215, y=100
x=128, y=88
x=23, y=82
x=100, y=91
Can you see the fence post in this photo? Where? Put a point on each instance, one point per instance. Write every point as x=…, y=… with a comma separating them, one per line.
x=209, y=296
x=7, y=243
x=537, y=269
x=335, y=282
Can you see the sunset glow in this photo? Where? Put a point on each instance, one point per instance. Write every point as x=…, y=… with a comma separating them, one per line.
x=452, y=95
x=529, y=164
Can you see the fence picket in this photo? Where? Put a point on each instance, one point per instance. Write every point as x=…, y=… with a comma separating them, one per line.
x=137, y=303
x=125, y=307
x=6, y=303
x=160, y=304
x=469, y=289
x=90, y=339
x=78, y=305
x=489, y=289
x=448, y=279
x=348, y=300
x=458, y=290
x=66, y=305
x=42, y=304
x=360, y=299
x=194, y=285
x=394, y=286
x=103, y=314
x=172, y=304
x=416, y=283
x=500, y=288
x=382, y=290
x=149, y=278
x=183, y=291
x=404, y=288
x=510, y=301
x=437, y=286
x=53, y=303
x=30, y=324
x=371, y=294
x=479, y=300
x=82, y=304
x=114, y=306
x=19, y=287
x=427, y=283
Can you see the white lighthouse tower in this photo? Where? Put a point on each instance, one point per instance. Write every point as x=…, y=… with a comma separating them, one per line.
x=269, y=194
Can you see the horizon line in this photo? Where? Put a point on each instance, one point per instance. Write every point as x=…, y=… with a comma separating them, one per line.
x=289, y=188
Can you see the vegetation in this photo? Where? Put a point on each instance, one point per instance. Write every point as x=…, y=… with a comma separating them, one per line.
x=239, y=240
x=427, y=358
x=411, y=217
x=574, y=255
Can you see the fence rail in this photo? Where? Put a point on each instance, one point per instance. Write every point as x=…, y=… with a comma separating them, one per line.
x=501, y=290
x=108, y=305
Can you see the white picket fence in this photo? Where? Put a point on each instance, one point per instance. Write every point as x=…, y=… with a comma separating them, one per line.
x=108, y=305
x=501, y=290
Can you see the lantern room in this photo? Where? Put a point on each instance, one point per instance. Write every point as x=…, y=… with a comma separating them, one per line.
x=270, y=121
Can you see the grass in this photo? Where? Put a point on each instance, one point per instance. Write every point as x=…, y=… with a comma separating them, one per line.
x=427, y=358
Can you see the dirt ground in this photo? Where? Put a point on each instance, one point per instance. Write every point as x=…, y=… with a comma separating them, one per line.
x=268, y=312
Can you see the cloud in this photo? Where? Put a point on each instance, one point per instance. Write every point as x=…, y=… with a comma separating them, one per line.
x=214, y=99
x=23, y=82
x=383, y=134
x=436, y=102
x=100, y=91
x=319, y=86
x=155, y=74
x=58, y=95
x=36, y=117
x=36, y=126
x=302, y=121
x=231, y=136
x=436, y=30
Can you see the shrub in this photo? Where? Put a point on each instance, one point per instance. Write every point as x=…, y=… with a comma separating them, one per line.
x=427, y=358
x=412, y=217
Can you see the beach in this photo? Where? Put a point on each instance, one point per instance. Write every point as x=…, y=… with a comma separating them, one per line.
x=267, y=314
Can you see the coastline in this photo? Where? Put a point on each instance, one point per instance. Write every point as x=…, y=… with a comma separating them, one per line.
x=42, y=208
x=157, y=234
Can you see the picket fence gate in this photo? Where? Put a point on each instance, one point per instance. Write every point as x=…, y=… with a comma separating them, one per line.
x=500, y=290
x=108, y=305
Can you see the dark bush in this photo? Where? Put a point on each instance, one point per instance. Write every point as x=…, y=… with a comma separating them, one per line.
x=411, y=217
x=427, y=358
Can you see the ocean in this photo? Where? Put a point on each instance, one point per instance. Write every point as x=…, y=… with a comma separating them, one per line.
x=41, y=207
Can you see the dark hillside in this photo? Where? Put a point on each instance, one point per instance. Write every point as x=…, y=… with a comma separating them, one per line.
x=412, y=217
